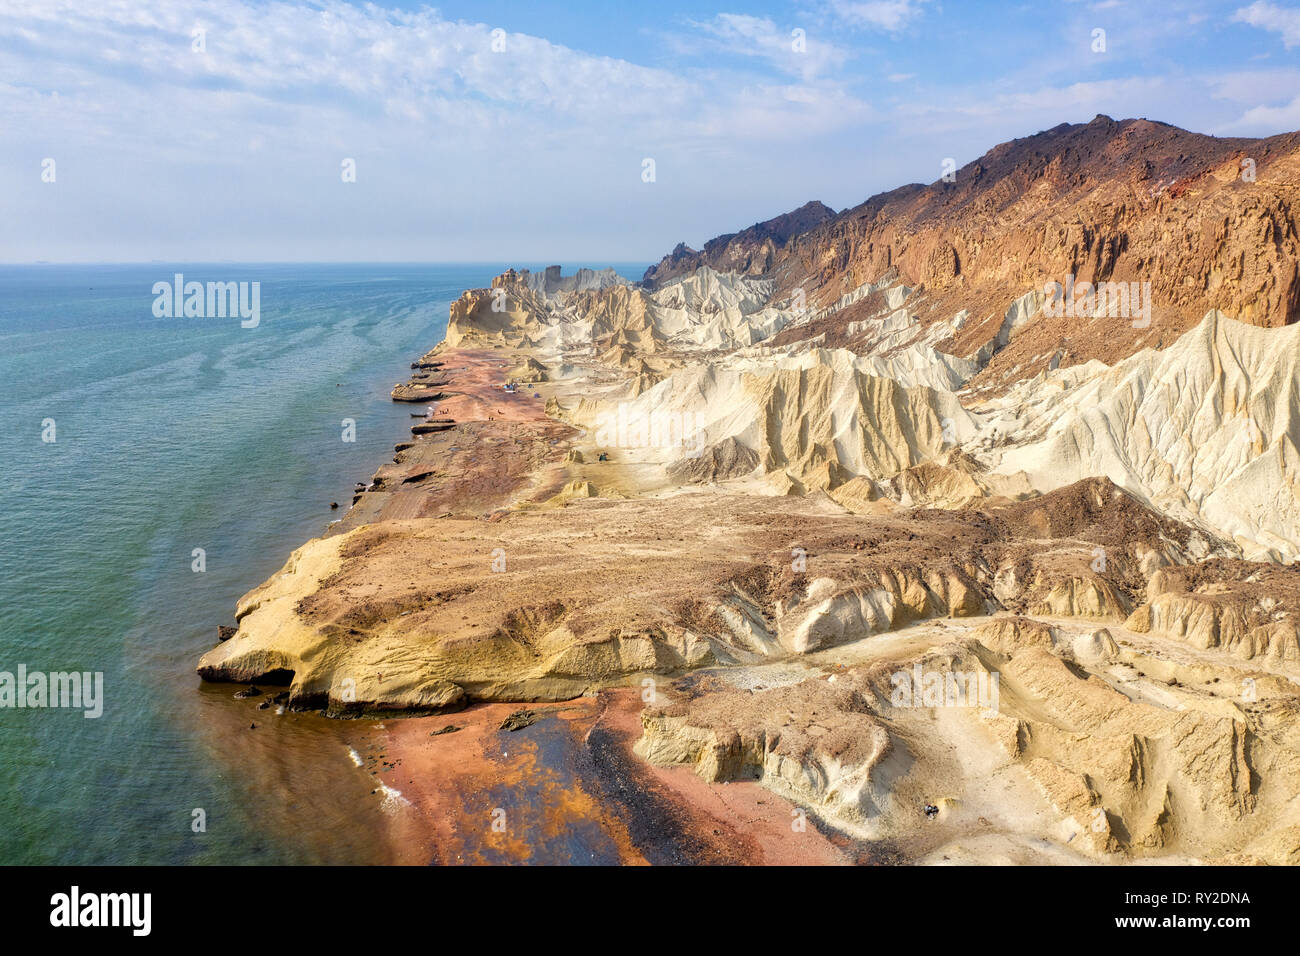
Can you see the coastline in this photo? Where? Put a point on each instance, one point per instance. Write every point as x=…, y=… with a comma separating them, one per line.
x=710, y=637
x=910, y=477
x=573, y=780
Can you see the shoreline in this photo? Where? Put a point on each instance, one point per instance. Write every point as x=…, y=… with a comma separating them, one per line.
x=436, y=787
x=707, y=636
x=441, y=471
x=607, y=804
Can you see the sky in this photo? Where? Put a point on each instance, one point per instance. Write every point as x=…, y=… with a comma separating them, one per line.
x=242, y=131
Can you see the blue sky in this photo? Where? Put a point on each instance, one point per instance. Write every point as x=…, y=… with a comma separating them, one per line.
x=535, y=150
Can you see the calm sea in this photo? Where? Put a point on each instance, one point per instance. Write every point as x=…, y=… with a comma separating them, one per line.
x=170, y=435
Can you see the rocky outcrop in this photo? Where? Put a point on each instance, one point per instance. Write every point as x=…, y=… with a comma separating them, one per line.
x=1209, y=222
x=1245, y=610
x=818, y=742
x=821, y=424
x=1128, y=774
x=430, y=614
x=868, y=747
x=752, y=251
x=721, y=460
x=1096, y=201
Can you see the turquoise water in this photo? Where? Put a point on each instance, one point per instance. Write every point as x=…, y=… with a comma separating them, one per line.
x=172, y=435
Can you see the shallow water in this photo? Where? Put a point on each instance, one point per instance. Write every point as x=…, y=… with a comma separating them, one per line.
x=172, y=435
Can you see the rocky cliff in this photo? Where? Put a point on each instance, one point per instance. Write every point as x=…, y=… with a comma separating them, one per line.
x=1210, y=223
x=833, y=456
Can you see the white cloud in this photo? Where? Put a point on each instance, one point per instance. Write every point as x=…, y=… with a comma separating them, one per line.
x=1271, y=17
x=794, y=50
x=1251, y=87
x=1266, y=120
x=277, y=64
x=891, y=15
x=160, y=147
x=1048, y=105
x=1265, y=101
x=463, y=152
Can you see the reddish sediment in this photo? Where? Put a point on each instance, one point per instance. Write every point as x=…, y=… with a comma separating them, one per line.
x=569, y=789
x=487, y=444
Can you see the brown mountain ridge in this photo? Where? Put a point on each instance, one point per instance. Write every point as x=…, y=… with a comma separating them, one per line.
x=1209, y=222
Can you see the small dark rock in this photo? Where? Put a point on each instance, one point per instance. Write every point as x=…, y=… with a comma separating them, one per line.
x=225, y=632
x=519, y=720
x=449, y=729
x=250, y=691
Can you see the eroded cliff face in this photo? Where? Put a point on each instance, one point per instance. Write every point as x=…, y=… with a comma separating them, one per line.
x=1210, y=223
x=980, y=724
x=829, y=452
x=1239, y=607
x=464, y=611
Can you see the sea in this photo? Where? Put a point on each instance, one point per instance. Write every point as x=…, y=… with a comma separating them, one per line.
x=153, y=469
